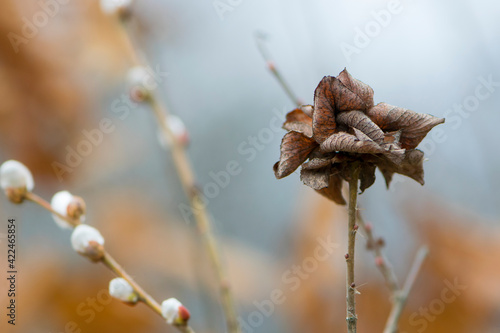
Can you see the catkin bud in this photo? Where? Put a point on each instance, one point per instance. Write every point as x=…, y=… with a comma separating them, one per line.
x=88, y=242
x=16, y=179
x=116, y=7
x=141, y=83
x=68, y=205
x=178, y=129
x=174, y=312
x=122, y=290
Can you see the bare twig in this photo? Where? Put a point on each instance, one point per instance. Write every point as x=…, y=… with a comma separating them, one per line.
x=111, y=263
x=402, y=296
x=46, y=205
x=260, y=40
x=187, y=178
x=351, y=230
x=200, y=213
x=383, y=264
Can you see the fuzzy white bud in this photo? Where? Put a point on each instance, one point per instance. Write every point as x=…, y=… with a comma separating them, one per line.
x=61, y=202
x=112, y=7
x=87, y=241
x=121, y=289
x=14, y=174
x=174, y=312
x=141, y=83
x=179, y=130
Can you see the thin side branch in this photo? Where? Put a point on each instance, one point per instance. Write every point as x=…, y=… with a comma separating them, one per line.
x=200, y=213
x=402, y=296
x=260, y=40
x=111, y=263
x=187, y=178
x=351, y=230
x=383, y=263
x=46, y=205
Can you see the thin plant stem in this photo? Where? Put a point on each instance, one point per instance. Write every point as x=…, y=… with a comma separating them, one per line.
x=259, y=39
x=351, y=230
x=187, y=178
x=200, y=213
x=383, y=264
x=110, y=263
x=402, y=296
x=46, y=205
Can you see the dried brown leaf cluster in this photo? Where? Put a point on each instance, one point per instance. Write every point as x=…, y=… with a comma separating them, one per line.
x=345, y=126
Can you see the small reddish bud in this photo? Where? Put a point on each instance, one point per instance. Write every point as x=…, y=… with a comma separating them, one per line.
x=356, y=227
x=184, y=314
x=353, y=285
x=346, y=256
x=380, y=242
x=379, y=261
x=271, y=66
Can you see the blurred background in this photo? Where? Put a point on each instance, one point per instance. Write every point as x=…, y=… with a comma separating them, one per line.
x=62, y=71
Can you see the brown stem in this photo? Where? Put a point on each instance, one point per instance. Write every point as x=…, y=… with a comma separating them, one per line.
x=383, y=264
x=402, y=296
x=200, y=213
x=46, y=205
x=259, y=39
x=351, y=231
x=110, y=263
x=186, y=176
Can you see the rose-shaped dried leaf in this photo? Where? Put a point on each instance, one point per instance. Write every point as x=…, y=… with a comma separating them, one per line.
x=351, y=94
x=395, y=155
x=317, y=163
x=411, y=166
x=360, y=135
x=349, y=143
x=366, y=176
x=315, y=178
x=295, y=149
x=307, y=109
x=414, y=126
x=334, y=190
x=392, y=137
x=324, y=123
x=360, y=121
x=298, y=121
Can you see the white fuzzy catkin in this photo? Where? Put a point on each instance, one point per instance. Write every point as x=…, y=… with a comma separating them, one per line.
x=114, y=6
x=122, y=290
x=59, y=203
x=140, y=76
x=83, y=235
x=14, y=174
x=170, y=309
x=178, y=129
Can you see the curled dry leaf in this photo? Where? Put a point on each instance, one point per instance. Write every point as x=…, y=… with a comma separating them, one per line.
x=334, y=190
x=344, y=127
x=298, y=121
x=352, y=94
x=295, y=149
x=349, y=143
x=412, y=126
x=360, y=121
x=323, y=119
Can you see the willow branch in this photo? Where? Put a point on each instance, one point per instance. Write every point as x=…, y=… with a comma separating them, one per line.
x=187, y=178
x=111, y=263
x=402, y=296
x=383, y=264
